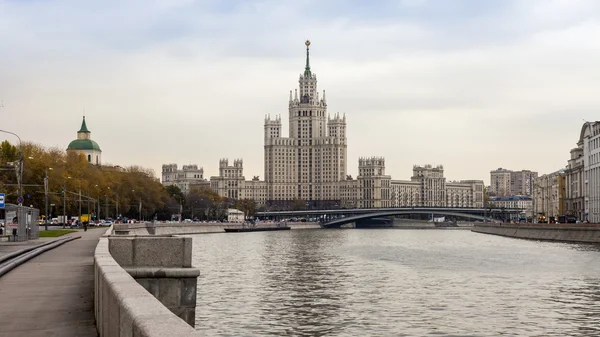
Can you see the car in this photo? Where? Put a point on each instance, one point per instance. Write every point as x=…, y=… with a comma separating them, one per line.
x=107, y=223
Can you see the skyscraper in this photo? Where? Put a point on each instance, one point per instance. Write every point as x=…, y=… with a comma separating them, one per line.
x=309, y=164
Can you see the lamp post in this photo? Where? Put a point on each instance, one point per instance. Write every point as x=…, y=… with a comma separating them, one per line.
x=65, y=203
x=98, y=197
x=106, y=204
x=46, y=185
x=20, y=172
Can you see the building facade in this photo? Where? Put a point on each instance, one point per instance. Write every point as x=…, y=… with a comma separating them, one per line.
x=86, y=146
x=505, y=182
x=583, y=175
x=231, y=183
x=428, y=188
x=549, y=195
x=575, y=184
x=311, y=162
x=517, y=201
x=188, y=177
x=500, y=182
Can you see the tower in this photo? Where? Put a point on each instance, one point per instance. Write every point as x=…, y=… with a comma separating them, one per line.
x=86, y=146
x=309, y=164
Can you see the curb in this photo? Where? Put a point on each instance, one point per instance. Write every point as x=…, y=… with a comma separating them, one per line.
x=25, y=250
x=27, y=254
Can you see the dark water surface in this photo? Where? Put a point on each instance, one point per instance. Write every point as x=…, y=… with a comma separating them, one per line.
x=391, y=282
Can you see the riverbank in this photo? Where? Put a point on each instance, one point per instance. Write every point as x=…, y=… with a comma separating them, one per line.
x=182, y=228
x=586, y=233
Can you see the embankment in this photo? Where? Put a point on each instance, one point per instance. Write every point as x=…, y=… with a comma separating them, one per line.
x=182, y=228
x=123, y=304
x=587, y=233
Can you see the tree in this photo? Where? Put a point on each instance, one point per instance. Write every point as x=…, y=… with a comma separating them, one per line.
x=248, y=206
x=131, y=186
x=298, y=205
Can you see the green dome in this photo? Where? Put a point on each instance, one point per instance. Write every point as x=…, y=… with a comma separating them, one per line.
x=84, y=144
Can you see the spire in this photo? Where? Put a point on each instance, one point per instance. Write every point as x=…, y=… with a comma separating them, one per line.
x=83, y=126
x=307, y=68
x=324, y=99
x=290, y=96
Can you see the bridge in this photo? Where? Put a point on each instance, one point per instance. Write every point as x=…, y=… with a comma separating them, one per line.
x=338, y=217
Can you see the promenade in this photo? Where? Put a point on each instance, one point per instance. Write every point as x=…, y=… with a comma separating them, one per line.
x=53, y=293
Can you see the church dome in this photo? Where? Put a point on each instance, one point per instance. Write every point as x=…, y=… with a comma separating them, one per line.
x=84, y=144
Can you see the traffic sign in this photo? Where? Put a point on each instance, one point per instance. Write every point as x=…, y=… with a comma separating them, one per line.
x=20, y=200
x=2, y=202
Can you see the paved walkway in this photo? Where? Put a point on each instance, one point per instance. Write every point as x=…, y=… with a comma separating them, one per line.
x=53, y=293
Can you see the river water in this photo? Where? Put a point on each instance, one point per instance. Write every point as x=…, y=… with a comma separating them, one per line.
x=391, y=282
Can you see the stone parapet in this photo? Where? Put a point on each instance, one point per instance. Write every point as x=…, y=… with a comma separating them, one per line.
x=181, y=228
x=124, y=307
x=582, y=233
x=150, y=251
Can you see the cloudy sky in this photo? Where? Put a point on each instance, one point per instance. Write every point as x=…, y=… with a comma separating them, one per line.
x=473, y=85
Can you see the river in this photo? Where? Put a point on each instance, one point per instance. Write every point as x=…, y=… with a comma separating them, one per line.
x=392, y=282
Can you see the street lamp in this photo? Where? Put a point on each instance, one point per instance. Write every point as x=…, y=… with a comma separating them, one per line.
x=20, y=163
x=139, y=207
x=65, y=202
x=98, y=197
x=46, y=185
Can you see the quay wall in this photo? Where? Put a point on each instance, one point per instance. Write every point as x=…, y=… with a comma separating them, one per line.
x=181, y=228
x=123, y=306
x=582, y=233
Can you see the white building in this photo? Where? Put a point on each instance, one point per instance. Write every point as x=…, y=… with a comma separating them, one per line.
x=513, y=202
x=589, y=182
x=575, y=182
x=189, y=176
x=235, y=215
x=311, y=162
x=428, y=187
x=232, y=184
x=86, y=146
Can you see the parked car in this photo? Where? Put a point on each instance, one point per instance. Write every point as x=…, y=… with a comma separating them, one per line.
x=107, y=223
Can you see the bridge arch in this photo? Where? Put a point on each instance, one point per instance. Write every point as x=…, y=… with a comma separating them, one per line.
x=342, y=221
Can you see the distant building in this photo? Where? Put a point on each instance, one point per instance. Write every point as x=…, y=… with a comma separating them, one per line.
x=308, y=168
x=521, y=182
x=234, y=215
x=188, y=177
x=500, y=182
x=232, y=184
x=512, y=202
x=86, y=146
x=311, y=162
x=428, y=188
x=549, y=195
x=505, y=182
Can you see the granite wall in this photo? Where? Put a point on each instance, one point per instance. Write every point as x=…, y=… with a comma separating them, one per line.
x=132, y=301
x=588, y=233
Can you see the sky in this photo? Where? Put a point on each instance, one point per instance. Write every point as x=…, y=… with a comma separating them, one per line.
x=468, y=84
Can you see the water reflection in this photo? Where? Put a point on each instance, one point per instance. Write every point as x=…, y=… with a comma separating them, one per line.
x=394, y=283
x=309, y=282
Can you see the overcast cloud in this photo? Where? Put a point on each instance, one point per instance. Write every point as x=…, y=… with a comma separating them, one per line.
x=473, y=85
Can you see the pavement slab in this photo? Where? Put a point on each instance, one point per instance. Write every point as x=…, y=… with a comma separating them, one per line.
x=53, y=293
